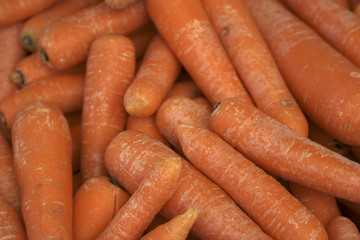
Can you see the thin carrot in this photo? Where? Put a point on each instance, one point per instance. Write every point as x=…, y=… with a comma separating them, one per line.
x=185, y=26
x=103, y=112
x=11, y=224
x=10, y=53
x=65, y=91
x=156, y=75
x=304, y=59
x=141, y=38
x=96, y=202
x=342, y=228
x=153, y=192
x=42, y=161
x=177, y=228
x=34, y=26
x=120, y=4
x=279, y=150
x=66, y=42
x=131, y=155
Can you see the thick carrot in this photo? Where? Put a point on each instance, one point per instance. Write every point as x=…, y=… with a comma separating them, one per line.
x=34, y=26
x=67, y=41
x=263, y=198
x=177, y=228
x=254, y=62
x=120, y=4
x=96, y=202
x=141, y=38
x=65, y=91
x=342, y=228
x=279, y=150
x=103, y=112
x=156, y=75
x=186, y=28
x=131, y=155
x=11, y=224
x=153, y=192
x=312, y=69
x=10, y=53
x=42, y=161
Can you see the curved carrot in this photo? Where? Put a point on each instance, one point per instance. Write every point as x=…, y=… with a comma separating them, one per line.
x=265, y=200
x=156, y=75
x=176, y=229
x=342, y=228
x=103, y=112
x=131, y=155
x=33, y=27
x=141, y=38
x=66, y=42
x=304, y=59
x=11, y=224
x=96, y=202
x=42, y=161
x=120, y=4
x=153, y=192
x=279, y=150
x=186, y=28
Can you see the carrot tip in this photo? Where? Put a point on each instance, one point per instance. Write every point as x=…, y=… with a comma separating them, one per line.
x=43, y=55
x=134, y=107
x=28, y=43
x=18, y=78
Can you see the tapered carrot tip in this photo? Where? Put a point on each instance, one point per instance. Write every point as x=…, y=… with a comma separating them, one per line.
x=43, y=55
x=18, y=78
x=27, y=42
x=134, y=107
x=192, y=214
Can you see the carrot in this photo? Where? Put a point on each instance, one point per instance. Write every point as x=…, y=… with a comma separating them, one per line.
x=304, y=59
x=11, y=224
x=120, y=4
x=184, y=86
x=131, y=155
x=156, y=75
x=96, y=202
x=34, y=26
x=279, y=150
x=42, y=161
x=103, y=112
x=186, y=28
x=14, y=11
x=75, y=132
x=180, y=110
x=153, y=192
x=177, y=228
x=10, y=53
x=66, y=42
x=65, y=91
x=264, y=199
x=342, y=228
x=254, y=62
x=141, y=38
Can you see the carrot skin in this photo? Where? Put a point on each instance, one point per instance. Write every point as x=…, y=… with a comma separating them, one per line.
x=342, y=228
x=120, y=4
x=11, y=224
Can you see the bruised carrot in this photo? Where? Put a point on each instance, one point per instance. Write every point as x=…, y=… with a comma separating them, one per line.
x=186, y=28
x=156, y=75
x=264, y=199
x=10, y=53
x=177, y=228
x=279, y=150
x=342, y=228
x=66, y=42
x=65, y=91
x=141, y=38
x=131, y=155
x=120, y=4
x=96, y=202
x=11, y=224
x=103, y=112
x=153, y=192
x=33, y=27
x=304, y=59
x=42, y=161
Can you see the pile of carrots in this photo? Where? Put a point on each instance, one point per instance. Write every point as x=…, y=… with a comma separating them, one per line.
x=180, y=119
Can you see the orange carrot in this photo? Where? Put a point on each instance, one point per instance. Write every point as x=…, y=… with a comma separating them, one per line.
x=264, y=199
x=66, y=42
x=65, y=91
x=42, y=161
x=33, y=27
x=304, y=59
x=184, y=86
x=153, y=192
x=10, y=53
x=177, y=228
x=13, y=11
x=141, y=38
x=156, y=75
x=75, y=131
x=186, y=28
x=279, y=150
x=342, y=228
x=120, y=4
x=131, y=155
x=103, y=112
x=11, y=224
x=96, y=202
